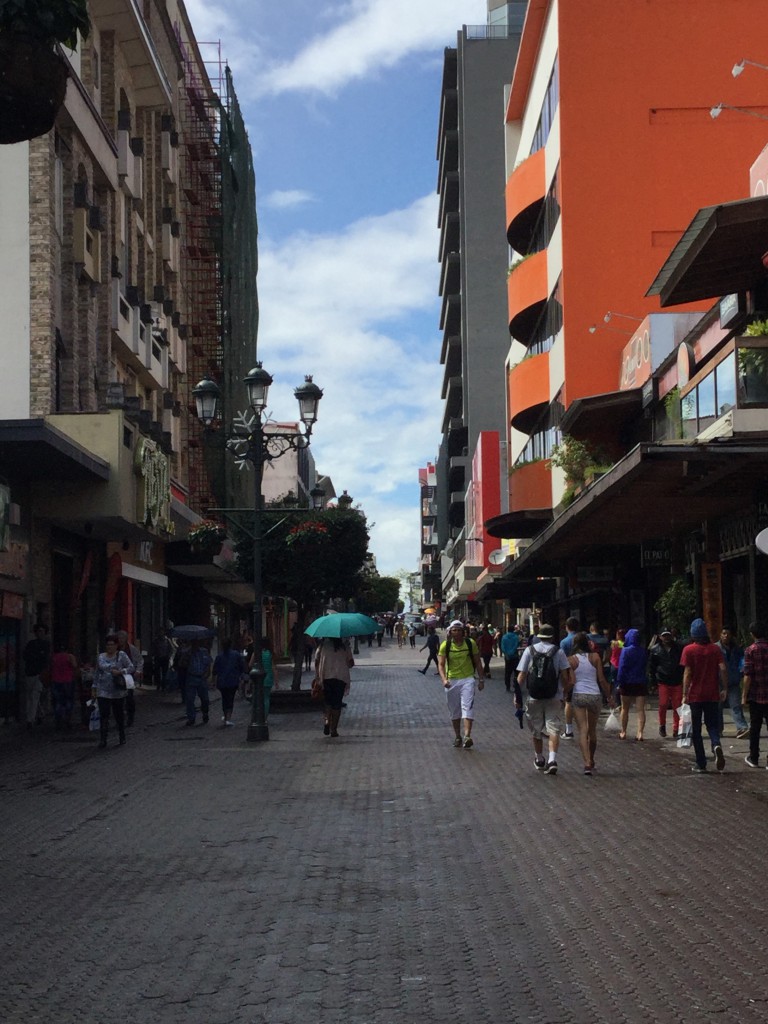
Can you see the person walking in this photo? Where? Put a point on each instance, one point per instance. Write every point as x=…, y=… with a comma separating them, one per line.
x=632, y=682
x=572, y=627
x=666, y=672
x=334, y=660
x=63, y=671
x=545, y=672
x=733, y=655
x=755, y=689
x=458, y=662
x=109, y=690
x=228, y=669
x=705, y=685
x=162, y=651
x=270, y=672
x=137, y=660
x=485, y=643
x=510, y=649
x=589, y=688
x=37, y=654
x=432, y=644
x=198, y=675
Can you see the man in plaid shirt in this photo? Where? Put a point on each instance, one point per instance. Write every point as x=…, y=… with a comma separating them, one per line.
x=755, y=689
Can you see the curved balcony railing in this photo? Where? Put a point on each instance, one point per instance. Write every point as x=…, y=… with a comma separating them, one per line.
x=530, y=487
x=525, y=192
x=528, y=390
x=527, y=292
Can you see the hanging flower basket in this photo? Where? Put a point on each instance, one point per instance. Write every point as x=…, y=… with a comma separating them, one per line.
x=309, y=530
x=206, y=537
x=33, y=83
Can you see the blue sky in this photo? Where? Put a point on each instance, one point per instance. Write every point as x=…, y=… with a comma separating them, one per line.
x=341, y=101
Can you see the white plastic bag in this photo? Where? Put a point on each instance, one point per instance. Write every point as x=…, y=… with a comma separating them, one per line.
x=130, y=682
x=94, y=722
x=613, y=722
x=684, y=733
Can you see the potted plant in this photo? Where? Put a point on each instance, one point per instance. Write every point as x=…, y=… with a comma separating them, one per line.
x=677, y=605
x=206, y=537
x=33, y=74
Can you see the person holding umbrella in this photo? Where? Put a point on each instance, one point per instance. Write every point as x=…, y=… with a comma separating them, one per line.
x=334, y=661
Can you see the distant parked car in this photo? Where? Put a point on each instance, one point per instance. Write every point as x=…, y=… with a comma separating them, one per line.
x=411, y=619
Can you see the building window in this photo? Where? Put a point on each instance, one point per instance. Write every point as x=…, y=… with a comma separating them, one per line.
x=752, y=383
x=548, y=109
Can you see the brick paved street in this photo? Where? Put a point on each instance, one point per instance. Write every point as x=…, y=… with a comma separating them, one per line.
x=381, y=878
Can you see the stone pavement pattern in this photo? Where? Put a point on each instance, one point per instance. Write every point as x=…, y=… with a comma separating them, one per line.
x=381, y=878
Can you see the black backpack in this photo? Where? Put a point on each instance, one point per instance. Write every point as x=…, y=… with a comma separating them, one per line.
x=542, y=675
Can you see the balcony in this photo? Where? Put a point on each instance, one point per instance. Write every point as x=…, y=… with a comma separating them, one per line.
x=457, y=433
x=450, y=275
x=458, y=467
x=449, y=196
x=450, y=236
x=449, y=111
x=528, y=391
x=525, y=192
x=453, y=393
x=151, y=86
x=449, y=155
x=530, y=488
x=450, y=314
x=456, y=509
x=527, y=292
x=450, y=356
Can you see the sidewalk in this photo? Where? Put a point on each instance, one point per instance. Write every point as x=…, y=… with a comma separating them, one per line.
x=384, y=877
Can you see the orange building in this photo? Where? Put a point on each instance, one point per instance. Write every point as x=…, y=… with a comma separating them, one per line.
x=610, y=151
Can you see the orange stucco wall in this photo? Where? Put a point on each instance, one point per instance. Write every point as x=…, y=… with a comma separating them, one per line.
x=530, y=487
x=640, y=153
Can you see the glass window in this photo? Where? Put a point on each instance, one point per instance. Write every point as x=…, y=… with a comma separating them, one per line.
x=689, y=414
x=725, y=378
x=706, y=390
x=752, y=376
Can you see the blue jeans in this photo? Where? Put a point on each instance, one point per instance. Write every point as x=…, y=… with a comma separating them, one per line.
x=197, y=688
x=710, y=711
x=733, y=701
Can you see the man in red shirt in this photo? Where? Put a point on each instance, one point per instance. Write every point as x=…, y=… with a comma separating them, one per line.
x=705, y=686
x=754, y=688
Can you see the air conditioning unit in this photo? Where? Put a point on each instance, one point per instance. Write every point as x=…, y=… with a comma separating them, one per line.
x=169, y=156
x=130, y=163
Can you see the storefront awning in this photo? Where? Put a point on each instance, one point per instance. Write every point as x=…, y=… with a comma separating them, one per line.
x=518, y=524
x=33, y=450
x=656, y=491
x=601, y=415
x=521, y=593
x=720, y=252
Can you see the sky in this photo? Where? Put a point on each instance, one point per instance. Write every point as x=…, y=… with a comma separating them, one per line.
x=341, y=101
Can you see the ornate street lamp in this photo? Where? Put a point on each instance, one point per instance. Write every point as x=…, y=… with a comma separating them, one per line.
x=251, y=444
x=317, y=494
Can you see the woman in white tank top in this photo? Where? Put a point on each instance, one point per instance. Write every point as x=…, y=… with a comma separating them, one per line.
x=587, y=696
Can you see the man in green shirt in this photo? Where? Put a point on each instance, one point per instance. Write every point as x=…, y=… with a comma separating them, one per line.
x=460, y=671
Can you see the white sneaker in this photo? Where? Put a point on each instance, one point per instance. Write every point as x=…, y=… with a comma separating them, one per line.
x=228, y=723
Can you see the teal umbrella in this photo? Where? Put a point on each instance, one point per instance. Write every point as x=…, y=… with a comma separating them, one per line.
x=341, y=624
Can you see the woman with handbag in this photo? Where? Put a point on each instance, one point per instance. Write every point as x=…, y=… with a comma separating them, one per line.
x=109, y=688
x=333, y=664
x=590, y=685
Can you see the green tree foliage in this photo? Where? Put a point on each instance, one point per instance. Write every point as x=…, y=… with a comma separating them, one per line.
x=312, y=557
x=379, y=594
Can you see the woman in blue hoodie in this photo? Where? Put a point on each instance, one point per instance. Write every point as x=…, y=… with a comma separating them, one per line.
x=632, y=681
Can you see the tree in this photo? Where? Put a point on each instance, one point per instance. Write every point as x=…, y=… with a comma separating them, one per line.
x=309, y=556
x=379, y=593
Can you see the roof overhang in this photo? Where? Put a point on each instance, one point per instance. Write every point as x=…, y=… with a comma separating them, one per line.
x=601, y=415
x=720, y=252
x=522, y=593
x=513, y=525
x=655, y=491
x=34, y=450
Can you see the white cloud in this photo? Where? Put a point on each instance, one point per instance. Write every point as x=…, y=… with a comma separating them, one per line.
x=372, y=34
x=357, y=39
x=286, y=199
x=359, y=311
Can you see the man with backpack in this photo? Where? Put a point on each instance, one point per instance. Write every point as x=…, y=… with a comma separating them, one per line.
x=460, y=671
x=547, y=675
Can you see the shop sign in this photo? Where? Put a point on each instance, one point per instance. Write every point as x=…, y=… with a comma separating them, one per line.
x=654, y=553
x=594, y=573
x=13, y=562
x=153, y=504
x=636, y=361
x=732, y=308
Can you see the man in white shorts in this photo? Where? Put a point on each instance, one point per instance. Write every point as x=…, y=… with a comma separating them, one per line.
x=459, y=663
x=546, y=689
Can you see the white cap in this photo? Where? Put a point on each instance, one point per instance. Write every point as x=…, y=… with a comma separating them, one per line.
x=456, y=624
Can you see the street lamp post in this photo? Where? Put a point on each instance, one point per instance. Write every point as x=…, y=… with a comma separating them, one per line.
x=251, y=443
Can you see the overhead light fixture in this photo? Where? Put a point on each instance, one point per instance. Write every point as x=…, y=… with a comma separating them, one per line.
x=716, y=111
x=737, y=69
